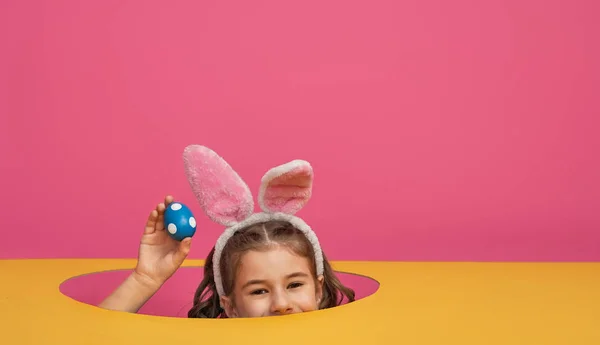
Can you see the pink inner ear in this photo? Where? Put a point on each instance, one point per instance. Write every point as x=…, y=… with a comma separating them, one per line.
x=223, y=195
x=287, y=188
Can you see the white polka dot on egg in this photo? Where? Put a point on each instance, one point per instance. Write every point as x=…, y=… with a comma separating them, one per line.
x=176, y=207
x=172, y=228
x=192, y=222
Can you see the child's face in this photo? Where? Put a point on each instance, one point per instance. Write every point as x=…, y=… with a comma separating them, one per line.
x=273, y=282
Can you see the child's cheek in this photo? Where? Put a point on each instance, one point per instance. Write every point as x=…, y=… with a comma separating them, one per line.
x=255, y=308
x=306, y=301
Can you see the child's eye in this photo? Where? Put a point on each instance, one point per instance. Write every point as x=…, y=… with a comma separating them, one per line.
x=295, y=285
x=258, y=292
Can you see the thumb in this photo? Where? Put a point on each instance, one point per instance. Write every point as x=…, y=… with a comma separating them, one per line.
x=183, y=250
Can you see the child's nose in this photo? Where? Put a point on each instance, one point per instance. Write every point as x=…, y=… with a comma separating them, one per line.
x=281, y=304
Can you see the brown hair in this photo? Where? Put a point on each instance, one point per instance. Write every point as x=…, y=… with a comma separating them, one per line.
x=256, y=237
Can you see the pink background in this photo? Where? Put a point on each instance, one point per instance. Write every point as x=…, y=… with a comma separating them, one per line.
x=438, y=130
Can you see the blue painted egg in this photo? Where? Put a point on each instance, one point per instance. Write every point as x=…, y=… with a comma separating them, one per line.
x=179, y=221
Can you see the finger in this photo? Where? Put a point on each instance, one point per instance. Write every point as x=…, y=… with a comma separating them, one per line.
x=159, y=225
x=168, y=200
x=182, y=250
x=150, y=223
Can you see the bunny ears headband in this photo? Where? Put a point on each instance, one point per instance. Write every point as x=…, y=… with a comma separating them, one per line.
x=227, y=200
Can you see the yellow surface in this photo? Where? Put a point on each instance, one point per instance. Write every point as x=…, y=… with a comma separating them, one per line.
x=417, y=303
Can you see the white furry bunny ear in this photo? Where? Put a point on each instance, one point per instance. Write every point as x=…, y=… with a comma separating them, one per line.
x=286, y=188
x=223, y=195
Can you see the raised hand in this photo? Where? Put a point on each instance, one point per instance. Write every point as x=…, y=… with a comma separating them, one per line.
x=160, y=255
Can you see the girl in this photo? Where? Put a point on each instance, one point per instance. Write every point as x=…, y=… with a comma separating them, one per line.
x=264, y=264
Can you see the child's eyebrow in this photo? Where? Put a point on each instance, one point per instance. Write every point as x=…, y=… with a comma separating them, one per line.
x=262, y=281
x=297, y=275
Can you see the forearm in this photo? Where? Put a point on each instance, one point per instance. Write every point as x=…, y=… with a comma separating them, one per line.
x=131, y=295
